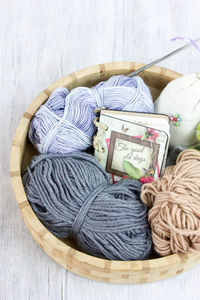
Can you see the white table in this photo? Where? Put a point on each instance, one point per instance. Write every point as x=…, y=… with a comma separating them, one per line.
x=41, y=41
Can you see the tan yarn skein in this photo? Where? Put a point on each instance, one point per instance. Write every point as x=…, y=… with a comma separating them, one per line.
x=174, y=202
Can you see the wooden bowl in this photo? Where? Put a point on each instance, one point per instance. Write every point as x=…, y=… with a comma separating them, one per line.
x=65, y=252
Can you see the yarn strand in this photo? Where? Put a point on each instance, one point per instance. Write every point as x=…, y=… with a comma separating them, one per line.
x=72, y=196
x=174, y=202
x=65, y=122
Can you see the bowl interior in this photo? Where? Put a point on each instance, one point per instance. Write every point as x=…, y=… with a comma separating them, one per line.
x=156, y=78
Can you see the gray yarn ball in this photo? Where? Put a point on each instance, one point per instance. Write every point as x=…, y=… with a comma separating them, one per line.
x=72, y=197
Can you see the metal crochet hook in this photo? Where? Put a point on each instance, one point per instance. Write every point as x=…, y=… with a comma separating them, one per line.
x=163, y=58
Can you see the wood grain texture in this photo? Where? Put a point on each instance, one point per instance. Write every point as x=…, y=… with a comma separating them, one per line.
x=64, y=253
x=42, y=41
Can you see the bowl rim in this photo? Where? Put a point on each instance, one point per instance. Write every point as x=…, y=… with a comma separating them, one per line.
x=70, y=258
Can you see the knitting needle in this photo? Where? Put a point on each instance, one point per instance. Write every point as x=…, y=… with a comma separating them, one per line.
x=163, y=58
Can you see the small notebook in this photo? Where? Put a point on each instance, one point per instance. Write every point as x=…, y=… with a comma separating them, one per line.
x=132, y=144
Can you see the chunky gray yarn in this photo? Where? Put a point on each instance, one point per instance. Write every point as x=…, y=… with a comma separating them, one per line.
x=72, y=197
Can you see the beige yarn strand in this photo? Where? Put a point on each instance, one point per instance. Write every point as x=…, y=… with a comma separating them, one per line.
x=174, y=202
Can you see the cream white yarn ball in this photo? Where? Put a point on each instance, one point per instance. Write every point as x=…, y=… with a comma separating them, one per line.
x=182, y=96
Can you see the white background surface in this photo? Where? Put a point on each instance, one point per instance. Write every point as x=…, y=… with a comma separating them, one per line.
x=41, y=41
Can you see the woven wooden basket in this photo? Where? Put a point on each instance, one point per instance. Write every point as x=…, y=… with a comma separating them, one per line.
x=64, y=252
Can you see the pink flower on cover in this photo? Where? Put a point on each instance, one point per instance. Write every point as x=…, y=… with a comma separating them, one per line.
x=126, y=177
x=148, y=179
x=153, y=134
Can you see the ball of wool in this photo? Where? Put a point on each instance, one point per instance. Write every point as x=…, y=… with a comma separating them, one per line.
x=174, y=202
x=65, y=122
x=181, y=96
x=72, y=197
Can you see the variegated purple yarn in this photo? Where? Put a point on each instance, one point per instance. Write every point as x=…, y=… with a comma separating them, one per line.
x=65, y=122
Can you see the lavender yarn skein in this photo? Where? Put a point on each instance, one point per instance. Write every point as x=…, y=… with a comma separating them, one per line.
x=65, y=122
x=72, y=196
